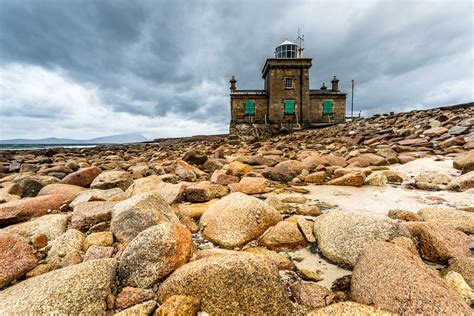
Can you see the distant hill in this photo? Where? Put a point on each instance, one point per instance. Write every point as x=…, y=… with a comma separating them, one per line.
x=113, y=139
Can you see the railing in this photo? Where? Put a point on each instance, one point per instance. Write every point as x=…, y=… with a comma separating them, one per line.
x=255, y=92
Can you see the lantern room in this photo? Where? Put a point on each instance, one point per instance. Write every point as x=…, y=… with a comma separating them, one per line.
x=286, y=50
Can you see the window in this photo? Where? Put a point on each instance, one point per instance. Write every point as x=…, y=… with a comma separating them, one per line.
x=288, y=83
x=249, y=108
x=327, y=107
x=289, y=106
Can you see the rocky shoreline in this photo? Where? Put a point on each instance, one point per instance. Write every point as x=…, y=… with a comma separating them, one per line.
x=247, y=225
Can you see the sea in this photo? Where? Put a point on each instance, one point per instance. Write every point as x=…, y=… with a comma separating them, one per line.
x=4, y=147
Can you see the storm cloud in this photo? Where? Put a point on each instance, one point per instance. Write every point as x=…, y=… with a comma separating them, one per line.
x=87, y=68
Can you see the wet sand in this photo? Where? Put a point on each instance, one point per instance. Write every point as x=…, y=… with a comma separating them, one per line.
x=374, y=200
x=377, y=201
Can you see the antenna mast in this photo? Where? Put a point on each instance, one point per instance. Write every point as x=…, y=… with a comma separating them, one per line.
x=300, y=39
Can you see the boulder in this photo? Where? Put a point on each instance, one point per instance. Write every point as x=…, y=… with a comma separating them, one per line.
x=130, y=296
x=28, y=167
x=172, y=193
x=392, y=177
x=349, y=308
x=204, y=191
x=394, y=279
x=88, y=214
x=462, y=160
x=431, y=180
x=184, y=171
x=468, y=168
x=220, y=177
x=435, y=132
x=342, y=235
x=60, y=188
x=111, y=195
x=438, y=242
x=311, y=295
x=261, y=160
x=339, y=172
x=81, y=288
x=333, y=160
x=456, y=282
x=154, y=254
x=306, y=228
x=195, y=210
x=25, y=209
x=358, y=162
x=458, y=130
x=29, y=185
x=140, y=170
x=195, y=157
x=405, y=159
x=376, y=178
x=316, y=177
x=375, y=160
x=16, y=257
x=389, y=154
x=142, y=309
x=238, y=169
x=98, y=239
x=112, y=179
x=98, y=252
x=139, y=212
x=72, y=164
x=204, y=253
x=250, y=185
x=65, y=251
x=453, y=141
x=236, y=284
x=284, y=171
x=405, y=216
x=465, y=267
x=281, y=259
x=213, y=164
x=462, y=183
x=464, y=221
x=313, y=161
x=283, y=236
x=355, y=179
x=405, y=242
x=179, y=305
x=237, y=219
x=7, y=197
x=52, y=226
x=143, y=185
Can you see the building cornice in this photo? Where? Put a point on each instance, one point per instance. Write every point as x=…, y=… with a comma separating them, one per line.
x=286, y=63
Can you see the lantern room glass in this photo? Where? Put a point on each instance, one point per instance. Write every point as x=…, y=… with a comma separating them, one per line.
x=286, y=51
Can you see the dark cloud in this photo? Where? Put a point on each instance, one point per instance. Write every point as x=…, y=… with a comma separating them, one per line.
x=171, y=60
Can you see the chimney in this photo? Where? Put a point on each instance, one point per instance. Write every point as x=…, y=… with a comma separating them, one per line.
x=335, y=84
x=232, y=84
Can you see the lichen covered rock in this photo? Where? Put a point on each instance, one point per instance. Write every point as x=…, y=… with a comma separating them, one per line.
x=237, y=219
x=238, y=284
x=155, y=253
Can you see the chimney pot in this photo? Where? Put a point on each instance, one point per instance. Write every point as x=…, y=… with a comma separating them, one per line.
x=232, y=84
x=335, y=84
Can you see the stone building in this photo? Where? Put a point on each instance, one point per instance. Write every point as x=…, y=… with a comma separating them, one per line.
x=286, y=102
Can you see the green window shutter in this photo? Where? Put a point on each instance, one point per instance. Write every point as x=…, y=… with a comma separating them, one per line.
x=289, y=106
x=249, y=108
x=327, y=107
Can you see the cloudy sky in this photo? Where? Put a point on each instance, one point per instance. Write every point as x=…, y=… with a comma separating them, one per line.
x=88, y=68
